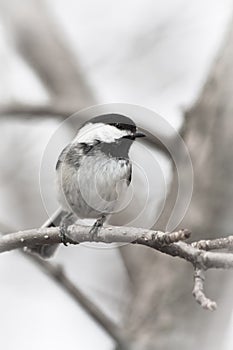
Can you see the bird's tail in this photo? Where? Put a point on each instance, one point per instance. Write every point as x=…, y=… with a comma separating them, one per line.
x=46, y=251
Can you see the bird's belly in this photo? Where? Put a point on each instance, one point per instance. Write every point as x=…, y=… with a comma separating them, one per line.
x=96, y=187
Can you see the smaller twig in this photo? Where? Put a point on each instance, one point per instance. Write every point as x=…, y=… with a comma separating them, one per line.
x=198, y=291
x=166, y=238
x=213, y=244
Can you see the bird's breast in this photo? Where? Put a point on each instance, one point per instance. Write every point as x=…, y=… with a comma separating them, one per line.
x=95, y=186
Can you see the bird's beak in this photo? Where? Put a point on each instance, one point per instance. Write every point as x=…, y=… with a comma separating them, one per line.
x=139, y=134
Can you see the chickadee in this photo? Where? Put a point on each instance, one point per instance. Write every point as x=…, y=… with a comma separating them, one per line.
x=92, y=173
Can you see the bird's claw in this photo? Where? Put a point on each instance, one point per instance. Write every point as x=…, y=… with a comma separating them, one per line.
x=96, y=227
x=94, y=232
x=63, y=235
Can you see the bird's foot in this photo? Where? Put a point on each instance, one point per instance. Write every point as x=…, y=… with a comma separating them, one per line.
x=63, y=234
x=94, y=233
x=96, y=228
x=67, y=220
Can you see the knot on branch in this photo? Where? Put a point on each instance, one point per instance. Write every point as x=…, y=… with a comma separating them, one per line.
x=168, y=238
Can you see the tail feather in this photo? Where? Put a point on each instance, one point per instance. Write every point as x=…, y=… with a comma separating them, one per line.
x=54, y=220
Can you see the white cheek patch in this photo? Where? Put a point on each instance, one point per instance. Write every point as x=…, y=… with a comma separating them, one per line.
x=99, y=131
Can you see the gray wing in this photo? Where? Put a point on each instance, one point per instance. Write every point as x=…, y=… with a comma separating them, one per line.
x=62, y=156
x=72, y=154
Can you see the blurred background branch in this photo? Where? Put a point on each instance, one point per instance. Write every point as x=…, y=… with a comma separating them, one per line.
x=38, y=41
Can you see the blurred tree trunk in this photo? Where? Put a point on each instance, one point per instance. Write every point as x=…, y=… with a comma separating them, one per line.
x=163, y=314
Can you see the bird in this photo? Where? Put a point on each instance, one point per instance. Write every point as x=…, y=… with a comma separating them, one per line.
x=92, y=172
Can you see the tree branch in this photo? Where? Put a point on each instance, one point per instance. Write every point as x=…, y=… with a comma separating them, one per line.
x=61, y=109
x=212, y=244
x=79, y=234
x=165, y=242
x=198, y=291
